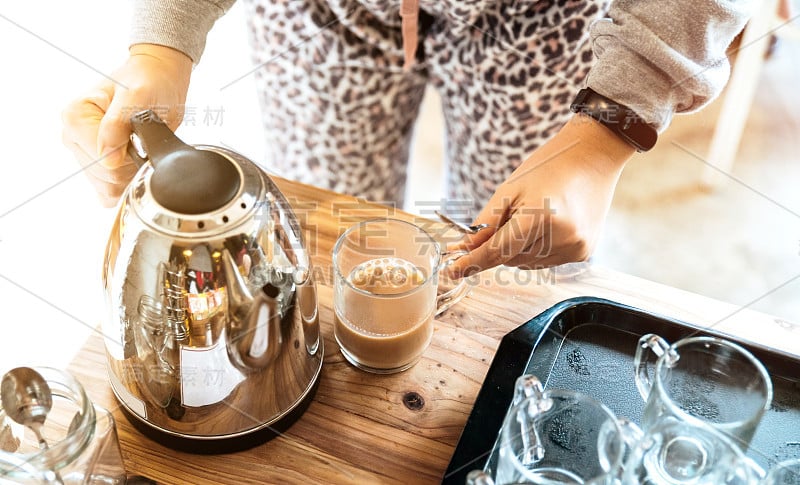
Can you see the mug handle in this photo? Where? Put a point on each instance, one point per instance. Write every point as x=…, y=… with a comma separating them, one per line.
x=528, y=385
x=659, y=346
x=453, y=296
x=629, y=437
x=528, y=389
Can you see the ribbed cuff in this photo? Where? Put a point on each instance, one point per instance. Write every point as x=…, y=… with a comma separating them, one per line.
x=179, y=24
x=660, y=58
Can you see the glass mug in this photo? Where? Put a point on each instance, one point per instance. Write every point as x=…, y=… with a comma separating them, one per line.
x=703, y=381
x=386, y=277
x=678, y=453
x=82, y=440
x=559, y=436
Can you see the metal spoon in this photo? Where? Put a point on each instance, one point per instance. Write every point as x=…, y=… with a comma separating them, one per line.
x=27, y=399
x=460, y=226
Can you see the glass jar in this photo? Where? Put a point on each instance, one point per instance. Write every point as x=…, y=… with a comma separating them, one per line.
x=82, y=444
x=158, y=351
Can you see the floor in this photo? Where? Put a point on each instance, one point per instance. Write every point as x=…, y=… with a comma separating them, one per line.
x=740, y=243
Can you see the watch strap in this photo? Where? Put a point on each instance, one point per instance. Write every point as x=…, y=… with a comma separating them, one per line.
x=620, y=119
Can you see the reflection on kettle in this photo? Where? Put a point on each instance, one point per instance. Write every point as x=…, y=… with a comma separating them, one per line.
x=212, y=331
x=157, y=350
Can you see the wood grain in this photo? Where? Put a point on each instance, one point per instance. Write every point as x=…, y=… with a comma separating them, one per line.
x=358, y=429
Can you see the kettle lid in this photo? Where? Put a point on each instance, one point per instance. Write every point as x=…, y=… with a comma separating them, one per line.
x=185, y=179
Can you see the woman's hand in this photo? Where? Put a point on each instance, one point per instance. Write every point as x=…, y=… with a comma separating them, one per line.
x=97, y=126
x=552, y=208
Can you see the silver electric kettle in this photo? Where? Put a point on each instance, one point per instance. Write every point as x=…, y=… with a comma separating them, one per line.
x=211, y=331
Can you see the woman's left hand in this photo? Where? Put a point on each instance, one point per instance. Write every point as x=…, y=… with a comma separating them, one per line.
x=552, y=208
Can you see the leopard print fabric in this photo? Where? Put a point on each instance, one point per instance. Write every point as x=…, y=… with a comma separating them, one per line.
x=339, y=109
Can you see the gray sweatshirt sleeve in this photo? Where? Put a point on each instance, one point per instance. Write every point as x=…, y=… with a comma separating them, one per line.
x=180, y=24
x=660, y=57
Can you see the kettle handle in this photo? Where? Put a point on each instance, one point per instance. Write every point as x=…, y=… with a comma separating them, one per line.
x=152, y=139
x=133, y=152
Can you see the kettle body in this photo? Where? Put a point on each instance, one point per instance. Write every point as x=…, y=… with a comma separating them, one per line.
x=211, y=330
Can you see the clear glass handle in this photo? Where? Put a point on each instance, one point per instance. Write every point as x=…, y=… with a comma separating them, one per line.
x=527, y=385
x=631, y=432
x=530, y=401
x=453, y=296
x=616, y=440
x=659, y=346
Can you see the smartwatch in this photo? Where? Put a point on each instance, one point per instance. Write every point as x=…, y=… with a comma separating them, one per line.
x=620, y=119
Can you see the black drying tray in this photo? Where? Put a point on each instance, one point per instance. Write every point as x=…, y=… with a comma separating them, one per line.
x=587, y=344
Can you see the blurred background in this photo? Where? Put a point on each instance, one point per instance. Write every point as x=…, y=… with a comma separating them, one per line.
x=738, y=241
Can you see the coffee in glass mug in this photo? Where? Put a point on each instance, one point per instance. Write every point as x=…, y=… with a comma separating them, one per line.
x=385, y=293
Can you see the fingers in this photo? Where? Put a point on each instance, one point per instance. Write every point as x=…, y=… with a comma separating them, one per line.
x=535, y=256
x=115, y=126
x=82, y=119
x=558, y=242
x=86, y=125
x=507, y=247
x=494, y=214
x=507, y=242
x=97, y=126
x=543, y=255
x=108, y=192
x=529, y=237
x=486, y=246
x=113, y=133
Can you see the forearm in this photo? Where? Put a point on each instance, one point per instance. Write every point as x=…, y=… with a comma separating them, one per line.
x=660, y=58
x=174, y=57
x=585, y=141
x=179, y=24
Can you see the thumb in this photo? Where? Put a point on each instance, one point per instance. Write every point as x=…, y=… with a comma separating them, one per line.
x=494, y=213
x=115, y=131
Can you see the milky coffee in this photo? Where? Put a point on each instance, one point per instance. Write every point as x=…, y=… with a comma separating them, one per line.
x=384, y=319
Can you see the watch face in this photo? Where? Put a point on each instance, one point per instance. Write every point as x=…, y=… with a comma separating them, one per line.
x=618, y=118
x=642, y=136
x=578, y=103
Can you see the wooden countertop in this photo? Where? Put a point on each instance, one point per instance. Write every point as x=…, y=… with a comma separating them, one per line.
x=357, y=429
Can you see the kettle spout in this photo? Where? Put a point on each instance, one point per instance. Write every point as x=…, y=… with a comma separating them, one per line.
x=254, y=321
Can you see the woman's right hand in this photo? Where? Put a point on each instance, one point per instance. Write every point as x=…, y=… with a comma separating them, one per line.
x=97, y=126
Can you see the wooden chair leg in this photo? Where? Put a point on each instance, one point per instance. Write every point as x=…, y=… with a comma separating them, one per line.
x=738, y=96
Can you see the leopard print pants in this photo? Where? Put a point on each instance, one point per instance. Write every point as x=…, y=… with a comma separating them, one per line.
x=339, y=110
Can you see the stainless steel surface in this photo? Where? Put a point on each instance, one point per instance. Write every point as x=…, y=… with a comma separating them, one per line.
x=460, y=226
x=212, y=327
